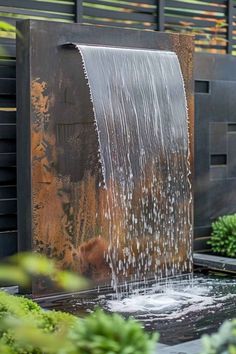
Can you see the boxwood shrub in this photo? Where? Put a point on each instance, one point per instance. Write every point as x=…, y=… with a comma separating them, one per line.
x=222, y=342
x=25, y=328
x=223, y=237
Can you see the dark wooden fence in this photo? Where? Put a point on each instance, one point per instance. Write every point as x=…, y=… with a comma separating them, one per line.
x=210, y=21
x=213, y=22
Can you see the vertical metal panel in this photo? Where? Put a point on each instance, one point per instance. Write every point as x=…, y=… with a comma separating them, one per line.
x=161, y=15
x=230, y=12
x=215, y=142
x=78, y=11
x=23, y=138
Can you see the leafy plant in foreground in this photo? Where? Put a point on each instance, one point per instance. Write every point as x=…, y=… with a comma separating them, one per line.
x=26, y=328
x=223, y=342
x=223, y=237
x=101, y=333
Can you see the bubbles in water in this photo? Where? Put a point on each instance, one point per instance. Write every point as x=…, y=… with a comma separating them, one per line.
x=175, y=299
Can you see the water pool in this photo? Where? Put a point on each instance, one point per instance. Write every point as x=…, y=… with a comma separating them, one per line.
x=180, y=310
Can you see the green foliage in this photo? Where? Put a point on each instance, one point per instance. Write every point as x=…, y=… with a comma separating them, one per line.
x=25, y=328
x=223, y=237
x=223, y=342
x=101, y=333
x=21, y=268
x=6, y=27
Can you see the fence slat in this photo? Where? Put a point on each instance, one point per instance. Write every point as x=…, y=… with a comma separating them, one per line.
x=7, y=159
x=33, y=13
x=118, y=15
x=8, y=243
x=120, y=6
x=7, y=206
x=7, y=192
x=120, y=23
x=194, y=6
x=8, y=222
x=7, y=131
x=39, y=5
x=8, y=86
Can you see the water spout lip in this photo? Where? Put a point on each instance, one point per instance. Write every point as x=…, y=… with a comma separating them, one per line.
x=75, y=45
x=69, y=45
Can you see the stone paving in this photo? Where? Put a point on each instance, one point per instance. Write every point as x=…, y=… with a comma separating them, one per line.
x=192, y=347
x=215, y=262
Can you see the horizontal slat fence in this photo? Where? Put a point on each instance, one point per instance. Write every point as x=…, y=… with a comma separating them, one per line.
x=213, y=23
x=207, y=20
x=11, y=11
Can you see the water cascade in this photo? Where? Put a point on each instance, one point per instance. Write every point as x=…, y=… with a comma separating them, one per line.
x=141, y=121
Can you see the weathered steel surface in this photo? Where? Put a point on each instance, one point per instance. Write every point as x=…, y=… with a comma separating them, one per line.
x=58, y=167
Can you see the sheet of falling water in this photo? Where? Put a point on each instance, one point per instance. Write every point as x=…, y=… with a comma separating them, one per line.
x=141, y=118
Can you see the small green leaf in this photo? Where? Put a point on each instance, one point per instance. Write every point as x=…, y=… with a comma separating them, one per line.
x=11, y=274
x=70, y=281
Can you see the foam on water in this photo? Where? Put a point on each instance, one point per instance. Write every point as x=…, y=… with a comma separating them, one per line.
x=176, y=300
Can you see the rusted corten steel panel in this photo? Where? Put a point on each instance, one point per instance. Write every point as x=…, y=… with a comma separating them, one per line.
x=57, y=142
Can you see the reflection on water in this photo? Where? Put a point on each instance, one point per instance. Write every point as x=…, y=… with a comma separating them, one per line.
x=180, y=309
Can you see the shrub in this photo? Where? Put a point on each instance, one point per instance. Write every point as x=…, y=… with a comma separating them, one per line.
x=223, y=342
x=102, y=333
x=25, y=328
x=24, y=325
x=223, y=237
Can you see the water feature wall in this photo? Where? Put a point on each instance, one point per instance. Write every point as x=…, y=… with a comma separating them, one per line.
x=140, y=113
x=104, y=132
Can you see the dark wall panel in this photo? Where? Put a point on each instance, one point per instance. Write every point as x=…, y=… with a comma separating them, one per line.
x=215, y=142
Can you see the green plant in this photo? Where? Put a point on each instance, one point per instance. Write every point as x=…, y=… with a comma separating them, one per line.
x=223, y=342
x=223, y=237
x=111, y=334
x=22, y=268
x=26, y=328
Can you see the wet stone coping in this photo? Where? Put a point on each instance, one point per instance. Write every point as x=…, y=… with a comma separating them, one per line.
x=13, y=290
x=191, y=347
x=215, y=262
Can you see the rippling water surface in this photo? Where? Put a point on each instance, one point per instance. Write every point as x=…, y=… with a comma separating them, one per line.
x=179, y=310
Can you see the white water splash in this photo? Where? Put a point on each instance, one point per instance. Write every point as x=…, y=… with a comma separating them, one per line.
x=175, y=302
